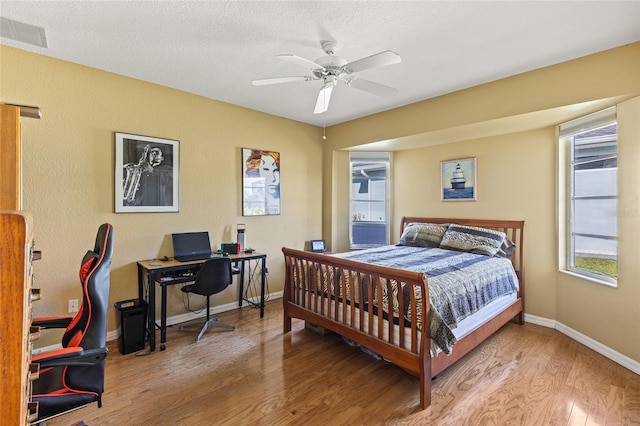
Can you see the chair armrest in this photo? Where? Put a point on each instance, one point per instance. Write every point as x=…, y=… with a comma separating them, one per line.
x=52, y=322
x=55, y=354
x=74, y=356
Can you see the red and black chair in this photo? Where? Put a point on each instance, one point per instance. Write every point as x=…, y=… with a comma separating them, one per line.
x=73, y=376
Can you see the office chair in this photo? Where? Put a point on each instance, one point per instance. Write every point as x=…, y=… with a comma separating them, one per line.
x=214, y=276
x=73, y=376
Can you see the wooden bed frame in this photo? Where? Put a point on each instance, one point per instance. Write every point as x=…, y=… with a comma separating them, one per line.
x=304, y=298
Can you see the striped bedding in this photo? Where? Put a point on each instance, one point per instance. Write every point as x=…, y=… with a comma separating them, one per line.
x=460, y=283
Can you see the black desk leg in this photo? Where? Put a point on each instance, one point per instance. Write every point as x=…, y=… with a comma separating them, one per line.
x=140, y=283
x=151, y=281
x=241, y=283
x=163, y=318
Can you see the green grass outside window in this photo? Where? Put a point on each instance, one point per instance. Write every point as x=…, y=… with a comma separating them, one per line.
x=603, y=266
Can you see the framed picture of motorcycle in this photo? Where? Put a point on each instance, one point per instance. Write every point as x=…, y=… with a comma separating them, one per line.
x=147, y=174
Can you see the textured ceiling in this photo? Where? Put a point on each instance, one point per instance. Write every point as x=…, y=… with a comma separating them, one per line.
x=216, y=48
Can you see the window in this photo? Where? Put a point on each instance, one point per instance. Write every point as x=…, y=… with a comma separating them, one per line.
x=591, y=196
x=369, y=199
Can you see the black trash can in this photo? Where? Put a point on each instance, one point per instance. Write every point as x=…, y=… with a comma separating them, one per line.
x=133, y=325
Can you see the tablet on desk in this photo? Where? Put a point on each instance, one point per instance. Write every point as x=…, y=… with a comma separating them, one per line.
x=317, y=246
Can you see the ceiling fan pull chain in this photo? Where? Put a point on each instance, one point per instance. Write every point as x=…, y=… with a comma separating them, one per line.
x=324, y=124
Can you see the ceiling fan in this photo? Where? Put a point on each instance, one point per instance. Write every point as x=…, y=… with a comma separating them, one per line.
x=331, y=69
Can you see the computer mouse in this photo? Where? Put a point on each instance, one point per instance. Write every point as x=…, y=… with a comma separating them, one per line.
x=165, y=258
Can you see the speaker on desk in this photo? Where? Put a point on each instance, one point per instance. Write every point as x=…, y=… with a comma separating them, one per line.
x=133, y=325
x=230, y=248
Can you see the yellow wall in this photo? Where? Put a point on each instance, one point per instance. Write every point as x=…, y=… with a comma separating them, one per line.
x=510, y=126
x=68, y=173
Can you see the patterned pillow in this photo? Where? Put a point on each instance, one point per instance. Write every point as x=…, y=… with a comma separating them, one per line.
x=507, y=248
x=473, y=240
x=423, y=234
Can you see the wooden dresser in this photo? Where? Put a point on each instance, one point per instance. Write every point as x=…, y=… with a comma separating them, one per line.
x=16, y=333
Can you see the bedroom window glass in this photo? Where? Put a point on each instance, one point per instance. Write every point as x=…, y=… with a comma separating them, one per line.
x=591, y=196
x=369, y=199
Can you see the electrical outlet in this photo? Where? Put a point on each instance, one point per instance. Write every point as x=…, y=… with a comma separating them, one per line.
x=73, y=306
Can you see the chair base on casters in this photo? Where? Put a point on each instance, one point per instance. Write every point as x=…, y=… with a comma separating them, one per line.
x=213, y=322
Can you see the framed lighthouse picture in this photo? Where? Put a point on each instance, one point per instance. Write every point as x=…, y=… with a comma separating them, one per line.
x=459, y=180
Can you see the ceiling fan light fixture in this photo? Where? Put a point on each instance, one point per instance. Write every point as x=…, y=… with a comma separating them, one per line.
x=331, y=80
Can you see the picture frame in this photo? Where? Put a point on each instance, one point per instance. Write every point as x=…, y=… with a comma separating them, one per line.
x=459, y=180
x=147, y=171
x=260, y=182
x=317, y=246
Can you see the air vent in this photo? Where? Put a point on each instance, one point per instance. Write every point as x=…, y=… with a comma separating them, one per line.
x=23, y=33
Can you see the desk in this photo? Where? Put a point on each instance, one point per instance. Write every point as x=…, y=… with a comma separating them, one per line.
x=151, y=272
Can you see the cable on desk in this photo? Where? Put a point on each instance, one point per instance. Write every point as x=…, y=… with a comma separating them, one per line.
x=145, y=295
x=252, y=291
x=186, y=301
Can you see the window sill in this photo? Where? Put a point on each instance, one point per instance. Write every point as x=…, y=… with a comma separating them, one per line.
x=592, y=279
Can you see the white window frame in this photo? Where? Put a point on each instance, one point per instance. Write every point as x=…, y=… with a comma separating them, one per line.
x=566, y=134
x=383, y=157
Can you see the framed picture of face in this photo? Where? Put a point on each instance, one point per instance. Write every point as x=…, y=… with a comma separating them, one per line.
x=260, y=182
x=146, y=174
x=459, y=181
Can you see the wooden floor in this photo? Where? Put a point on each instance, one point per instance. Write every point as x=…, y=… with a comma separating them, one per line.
x=523, y=375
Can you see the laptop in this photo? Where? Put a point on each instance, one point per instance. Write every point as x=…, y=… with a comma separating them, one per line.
x=188, y=246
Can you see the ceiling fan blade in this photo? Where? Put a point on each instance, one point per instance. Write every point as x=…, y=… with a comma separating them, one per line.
x=301, y=61
x=381, y=59
x=372, y=87
x=322, y=103
x=278, y=80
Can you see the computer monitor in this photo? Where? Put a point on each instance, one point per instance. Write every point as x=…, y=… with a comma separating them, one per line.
x=189, y=246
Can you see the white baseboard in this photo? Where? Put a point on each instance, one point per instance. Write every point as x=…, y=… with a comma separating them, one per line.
x=545, y=322
x=603, y=350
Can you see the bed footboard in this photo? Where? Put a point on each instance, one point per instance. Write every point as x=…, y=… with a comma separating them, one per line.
x=378, y=307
